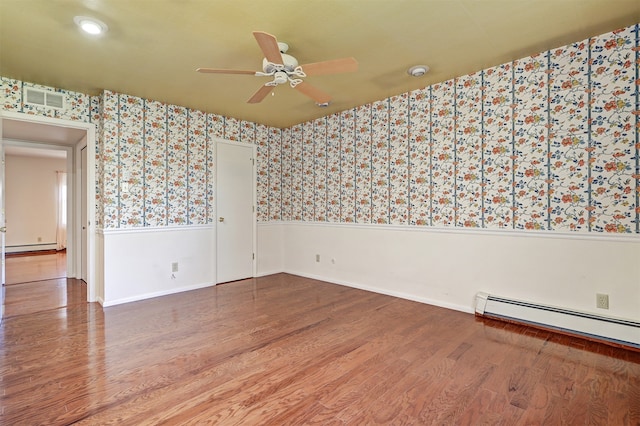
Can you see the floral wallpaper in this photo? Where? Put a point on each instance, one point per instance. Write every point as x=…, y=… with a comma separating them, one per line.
x=154, y=162
x=157, y=161
x=78, y=106
x=548, y=142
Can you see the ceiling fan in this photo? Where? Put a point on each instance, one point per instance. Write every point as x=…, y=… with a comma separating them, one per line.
x=284, y=68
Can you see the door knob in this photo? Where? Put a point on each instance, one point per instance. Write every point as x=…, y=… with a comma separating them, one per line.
x=221, y=219
x=3, y=229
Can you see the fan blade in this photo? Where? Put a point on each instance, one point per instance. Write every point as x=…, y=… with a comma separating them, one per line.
x=260, y=94
x=219, y=71
x=313, y=92
x=331, y=67
x=269, y=46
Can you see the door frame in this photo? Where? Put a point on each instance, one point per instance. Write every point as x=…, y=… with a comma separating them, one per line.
x=73, y=213
x=254, y=198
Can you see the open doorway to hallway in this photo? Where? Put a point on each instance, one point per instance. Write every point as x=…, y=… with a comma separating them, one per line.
x=52, y=133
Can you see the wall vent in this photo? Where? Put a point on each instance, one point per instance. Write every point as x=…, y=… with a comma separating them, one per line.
x=615, y=330
x=43, y=98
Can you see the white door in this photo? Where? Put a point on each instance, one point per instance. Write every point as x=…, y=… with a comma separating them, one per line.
x=83, y=214
x=234, y=206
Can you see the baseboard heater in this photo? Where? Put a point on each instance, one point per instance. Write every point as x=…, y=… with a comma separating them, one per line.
x=614, y=330
x=30, y=247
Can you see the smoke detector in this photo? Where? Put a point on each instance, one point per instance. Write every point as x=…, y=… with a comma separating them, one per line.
x=418, y=70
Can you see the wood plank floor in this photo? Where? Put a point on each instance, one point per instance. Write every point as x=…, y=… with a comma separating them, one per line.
x=22, y=269
x=288, y=350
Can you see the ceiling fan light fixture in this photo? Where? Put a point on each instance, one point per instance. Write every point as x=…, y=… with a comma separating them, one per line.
x=418, y=70
x=280, y=77
x=90, y=26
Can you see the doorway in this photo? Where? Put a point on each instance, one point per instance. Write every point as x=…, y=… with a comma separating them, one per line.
x=72, y=136
x=235, y=230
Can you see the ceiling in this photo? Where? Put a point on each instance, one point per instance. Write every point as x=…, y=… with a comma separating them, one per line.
x=152, y=48
x=19, y=130
x=28, y=139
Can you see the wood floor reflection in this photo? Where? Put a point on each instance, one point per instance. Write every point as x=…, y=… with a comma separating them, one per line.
x=36, y=296
x=22, y=269
x=37, y=283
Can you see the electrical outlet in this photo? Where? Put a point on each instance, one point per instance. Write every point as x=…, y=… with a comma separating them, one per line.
x=602, y=301
x=317, y=258
x=174, y=267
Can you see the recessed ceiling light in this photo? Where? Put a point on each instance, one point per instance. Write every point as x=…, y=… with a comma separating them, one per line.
x=418, y=70
x=90, y=26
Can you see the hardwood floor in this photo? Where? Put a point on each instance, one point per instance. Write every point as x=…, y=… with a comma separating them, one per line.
x=36, y=283
x=288, y=350
x=21, y=269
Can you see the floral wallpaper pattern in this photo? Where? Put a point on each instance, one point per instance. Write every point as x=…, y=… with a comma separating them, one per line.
x=547, y=142
x=158, y=165
x=154, y=162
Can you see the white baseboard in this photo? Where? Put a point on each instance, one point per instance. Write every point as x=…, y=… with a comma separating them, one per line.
x=265, y=273
x=140, y=297
x=28, y=248
x=397, y=294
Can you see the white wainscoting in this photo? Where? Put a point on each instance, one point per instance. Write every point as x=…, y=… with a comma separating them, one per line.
x=270, y=248
x=448, y=267
x=137, y=262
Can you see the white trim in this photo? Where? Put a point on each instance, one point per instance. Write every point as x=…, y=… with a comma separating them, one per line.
x=276, y=223
x=146, y=296
x=146, y=229
x=629, y=238
x=266, y=273
x=38, y=145
x=28, y=248
x=398, y=294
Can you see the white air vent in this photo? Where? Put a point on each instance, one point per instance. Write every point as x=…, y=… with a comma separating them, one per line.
x=44, y=98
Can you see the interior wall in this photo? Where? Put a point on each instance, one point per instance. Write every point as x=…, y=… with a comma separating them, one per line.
x=158, y=161
x=544, y=143
x=449, y=267
x=31, y=202
x=155, y=172
x=515, y=180
x=138, y=263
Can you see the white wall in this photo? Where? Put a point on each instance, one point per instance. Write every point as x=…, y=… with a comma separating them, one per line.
x=137, y=262
x=448, y=267
x=270, y=248
x=31, y=201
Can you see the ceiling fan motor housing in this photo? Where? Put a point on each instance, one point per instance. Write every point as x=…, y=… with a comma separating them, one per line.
x=280, y=77
x=290, y=63
x=285, y=68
